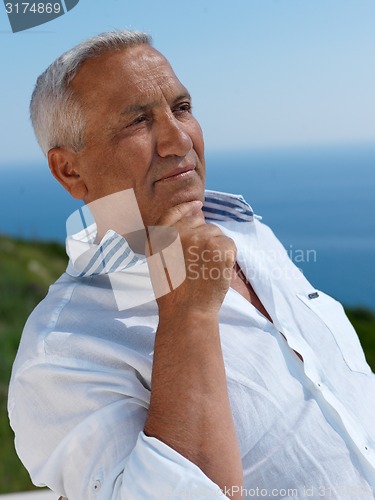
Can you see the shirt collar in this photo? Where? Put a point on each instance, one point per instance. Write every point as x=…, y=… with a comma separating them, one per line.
x=113, y=253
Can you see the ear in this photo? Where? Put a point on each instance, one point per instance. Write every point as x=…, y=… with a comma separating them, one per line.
x=63, y=164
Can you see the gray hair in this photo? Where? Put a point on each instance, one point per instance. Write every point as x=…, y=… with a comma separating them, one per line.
x=56, y=114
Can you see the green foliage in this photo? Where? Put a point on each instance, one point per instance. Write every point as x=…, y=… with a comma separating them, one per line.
x=26, y=271
x=363, y=321
x=27, y=268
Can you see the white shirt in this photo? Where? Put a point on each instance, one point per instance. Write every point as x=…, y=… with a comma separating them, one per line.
x=80, y=386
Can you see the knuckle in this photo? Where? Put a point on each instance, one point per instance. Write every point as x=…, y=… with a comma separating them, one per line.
x=232, y=245
x=213, y=230
x=228, y=249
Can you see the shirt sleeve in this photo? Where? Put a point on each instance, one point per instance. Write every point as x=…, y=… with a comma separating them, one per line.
x=177, y=477
x=79, y=431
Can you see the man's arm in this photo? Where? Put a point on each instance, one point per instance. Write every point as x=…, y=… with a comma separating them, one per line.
x=189, y=408
x=78, y=418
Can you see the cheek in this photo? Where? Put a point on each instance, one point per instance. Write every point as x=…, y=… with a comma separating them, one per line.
x=126, y=168
x=133, y=156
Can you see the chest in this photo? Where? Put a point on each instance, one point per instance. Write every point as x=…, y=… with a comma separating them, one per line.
x=244, y=288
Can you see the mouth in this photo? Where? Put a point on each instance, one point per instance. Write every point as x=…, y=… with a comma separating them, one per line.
x=178, y=174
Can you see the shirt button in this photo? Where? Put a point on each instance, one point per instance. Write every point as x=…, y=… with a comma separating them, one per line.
x=96, y=486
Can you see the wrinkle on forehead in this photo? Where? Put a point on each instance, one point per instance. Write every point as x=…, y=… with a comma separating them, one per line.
x=122, y=74
x=133, y=63
x=157, y=85
x=152, y=74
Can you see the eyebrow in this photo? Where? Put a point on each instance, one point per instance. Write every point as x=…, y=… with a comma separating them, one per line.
x=141, y=108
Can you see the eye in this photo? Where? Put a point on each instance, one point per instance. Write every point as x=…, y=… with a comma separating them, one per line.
x=138, y=120
x=183, y=107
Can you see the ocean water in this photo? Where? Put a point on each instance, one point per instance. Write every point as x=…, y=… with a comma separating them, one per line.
x=321, y=205
x=320, y=202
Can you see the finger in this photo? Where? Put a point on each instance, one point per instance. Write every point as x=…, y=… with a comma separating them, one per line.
x=178, y=212
x=201, y=228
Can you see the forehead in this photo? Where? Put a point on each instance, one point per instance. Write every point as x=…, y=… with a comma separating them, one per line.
x=125, y=74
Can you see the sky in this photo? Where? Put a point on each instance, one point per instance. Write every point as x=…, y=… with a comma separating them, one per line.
x=262, y=73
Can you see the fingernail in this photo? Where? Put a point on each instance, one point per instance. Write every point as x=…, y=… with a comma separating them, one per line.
x=196, y=206
x=197, y=203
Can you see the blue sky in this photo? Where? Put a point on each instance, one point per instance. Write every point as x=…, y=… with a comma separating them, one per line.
x=262, y=73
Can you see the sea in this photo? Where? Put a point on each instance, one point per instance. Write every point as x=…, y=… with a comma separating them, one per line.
x=319, y=201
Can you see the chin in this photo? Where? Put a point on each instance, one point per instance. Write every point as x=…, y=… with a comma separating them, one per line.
x=171, y=198
x=187, y=194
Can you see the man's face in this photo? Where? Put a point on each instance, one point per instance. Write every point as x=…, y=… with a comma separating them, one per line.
x=140, y=131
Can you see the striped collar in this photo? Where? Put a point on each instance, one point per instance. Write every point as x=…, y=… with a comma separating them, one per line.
x=113, y=253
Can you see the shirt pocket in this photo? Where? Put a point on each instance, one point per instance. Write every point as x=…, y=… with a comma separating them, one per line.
x=332, y=314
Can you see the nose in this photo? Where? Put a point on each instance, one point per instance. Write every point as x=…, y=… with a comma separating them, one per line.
x=172, y=138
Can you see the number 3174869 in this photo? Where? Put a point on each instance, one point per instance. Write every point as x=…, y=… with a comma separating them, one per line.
x=32, y=8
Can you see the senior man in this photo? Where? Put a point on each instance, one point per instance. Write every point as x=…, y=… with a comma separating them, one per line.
x=244, y=380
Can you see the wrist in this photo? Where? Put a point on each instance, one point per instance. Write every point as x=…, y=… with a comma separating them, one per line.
x=187, y=315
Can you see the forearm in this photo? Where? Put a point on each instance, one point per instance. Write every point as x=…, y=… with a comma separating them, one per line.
x=189, y=408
